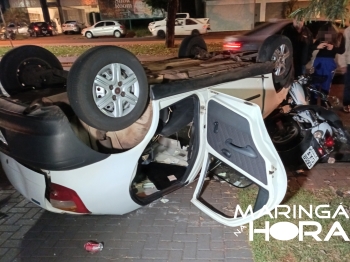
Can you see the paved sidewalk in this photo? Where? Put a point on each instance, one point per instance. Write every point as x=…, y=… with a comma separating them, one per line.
x=174, y=231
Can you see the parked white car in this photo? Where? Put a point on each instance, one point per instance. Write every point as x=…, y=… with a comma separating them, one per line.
x=105, y=28
x=163, y=22
x=21, y=28
x=184, y=26
x=72, y=27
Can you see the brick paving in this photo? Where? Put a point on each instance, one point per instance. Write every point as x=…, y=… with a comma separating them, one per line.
x=174, y=231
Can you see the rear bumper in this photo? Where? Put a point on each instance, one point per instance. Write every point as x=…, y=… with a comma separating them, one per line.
x=42, y=139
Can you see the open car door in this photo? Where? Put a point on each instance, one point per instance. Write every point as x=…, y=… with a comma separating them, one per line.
x=236, y=137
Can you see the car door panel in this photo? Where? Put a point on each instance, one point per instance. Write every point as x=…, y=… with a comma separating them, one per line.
x=233, y=141
x=236, y=135
x=251, y=89
x=98, y=30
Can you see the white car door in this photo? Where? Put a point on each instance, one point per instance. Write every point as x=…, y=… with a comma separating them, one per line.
x=191, y=25
x=235, y=134
x=180, y=26
x=98, y=29
x=109, y=28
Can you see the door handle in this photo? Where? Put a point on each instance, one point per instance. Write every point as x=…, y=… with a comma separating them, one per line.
x=247, y=150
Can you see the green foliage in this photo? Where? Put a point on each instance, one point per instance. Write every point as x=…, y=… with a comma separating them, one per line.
x=289, y=7
x=157, y=4
x=16, y=15
x=331, y=10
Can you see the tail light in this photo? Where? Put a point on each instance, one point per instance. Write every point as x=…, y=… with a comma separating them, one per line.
x=50, y=27
x=233, y=46
x=329, y=142
x=321, y=151
x=36, y=28
x=66, y=199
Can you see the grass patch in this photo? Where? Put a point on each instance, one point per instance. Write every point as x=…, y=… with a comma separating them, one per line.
x=141, y=32
x=137, y=49
x=308, y=250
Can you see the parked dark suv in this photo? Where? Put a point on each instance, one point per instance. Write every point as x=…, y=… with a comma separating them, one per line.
x=40, y=28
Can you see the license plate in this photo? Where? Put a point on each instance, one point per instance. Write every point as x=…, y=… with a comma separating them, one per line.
x=310, y=157
x=44, y=31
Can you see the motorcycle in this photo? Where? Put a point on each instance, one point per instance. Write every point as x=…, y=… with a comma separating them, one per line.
x=305, y=134
x=8, y=34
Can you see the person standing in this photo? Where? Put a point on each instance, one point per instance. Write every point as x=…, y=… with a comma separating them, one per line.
x=302, y=39
x=328, y=43
x=344, y=63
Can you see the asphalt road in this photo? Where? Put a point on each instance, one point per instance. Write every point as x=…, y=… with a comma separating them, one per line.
x=81, y=40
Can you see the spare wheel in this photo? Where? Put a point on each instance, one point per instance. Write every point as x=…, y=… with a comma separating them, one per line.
x=107, y=88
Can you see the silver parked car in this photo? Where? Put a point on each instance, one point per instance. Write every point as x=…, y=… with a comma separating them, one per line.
x=104, y=28
x=20, y=28
x=72, y=27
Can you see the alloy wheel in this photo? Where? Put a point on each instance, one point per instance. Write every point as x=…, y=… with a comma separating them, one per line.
x=116, y=90
x=279, y=57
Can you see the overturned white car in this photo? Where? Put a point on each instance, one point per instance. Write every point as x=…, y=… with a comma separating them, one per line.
x=104, y=138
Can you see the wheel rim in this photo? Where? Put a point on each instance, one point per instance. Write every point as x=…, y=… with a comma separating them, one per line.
x=88, y=35
x=285, y=134
x=279, y=57
x=116, y=90
x=117, y=34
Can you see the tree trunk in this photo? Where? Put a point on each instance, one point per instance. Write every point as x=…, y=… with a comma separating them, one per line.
x=45, y=10
x=170, y=24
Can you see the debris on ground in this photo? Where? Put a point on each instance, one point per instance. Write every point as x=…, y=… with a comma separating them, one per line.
x=93, y=246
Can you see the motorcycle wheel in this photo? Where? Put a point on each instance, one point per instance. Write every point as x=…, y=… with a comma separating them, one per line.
x=107, y=88
x=284, y=132
x=15, y=62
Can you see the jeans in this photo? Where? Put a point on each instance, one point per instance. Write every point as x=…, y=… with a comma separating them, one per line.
x=346, y=93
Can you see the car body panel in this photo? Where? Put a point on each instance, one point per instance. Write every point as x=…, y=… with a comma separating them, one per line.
x=270, y=174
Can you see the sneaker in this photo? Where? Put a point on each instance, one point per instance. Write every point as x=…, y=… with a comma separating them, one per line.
x=346, y=109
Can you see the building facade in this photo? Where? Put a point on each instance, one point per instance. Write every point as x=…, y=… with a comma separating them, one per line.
x=225, y=15
x=235, y=15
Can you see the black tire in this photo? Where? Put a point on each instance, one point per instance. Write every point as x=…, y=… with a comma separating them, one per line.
x=84, y=94
x=161, y=34
x=284, y=132
x=65, y=32
x=89, y=35
x=278, y=48
x=15, y=60
x=192, y=46
x=195, y=32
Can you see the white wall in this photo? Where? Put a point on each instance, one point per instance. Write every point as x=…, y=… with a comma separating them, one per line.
x=226, y=15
